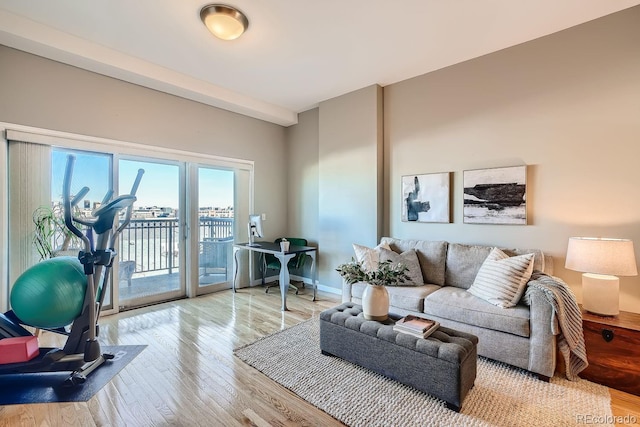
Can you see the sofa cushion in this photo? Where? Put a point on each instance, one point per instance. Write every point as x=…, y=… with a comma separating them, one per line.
x=410, y=260
x=368, y=257
x=501, y=279
x=431, y=255
x=463, y=263
x=459, y=305
x=406, y=298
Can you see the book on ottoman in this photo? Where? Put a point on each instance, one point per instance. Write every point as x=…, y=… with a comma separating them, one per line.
x=18, y=349
x=416, y=326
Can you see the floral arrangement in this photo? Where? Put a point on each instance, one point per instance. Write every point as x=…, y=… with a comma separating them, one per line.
x=387, y=273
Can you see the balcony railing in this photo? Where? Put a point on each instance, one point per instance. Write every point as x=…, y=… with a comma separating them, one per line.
x=153, y=243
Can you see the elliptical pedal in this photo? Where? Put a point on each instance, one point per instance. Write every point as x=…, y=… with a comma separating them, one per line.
x=74, y=380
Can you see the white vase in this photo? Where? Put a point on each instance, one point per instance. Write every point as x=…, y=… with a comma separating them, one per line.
x=375, y=303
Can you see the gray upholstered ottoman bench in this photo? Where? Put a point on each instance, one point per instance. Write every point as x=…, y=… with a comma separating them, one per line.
x=443, y=365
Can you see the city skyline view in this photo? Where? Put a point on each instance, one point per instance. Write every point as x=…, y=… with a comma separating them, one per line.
x=159, y=186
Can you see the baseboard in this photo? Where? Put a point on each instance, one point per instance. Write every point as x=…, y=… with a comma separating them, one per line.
x=329, y=289
x=306, y=280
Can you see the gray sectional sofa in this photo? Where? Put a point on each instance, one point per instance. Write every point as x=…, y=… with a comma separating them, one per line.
x=520, y=336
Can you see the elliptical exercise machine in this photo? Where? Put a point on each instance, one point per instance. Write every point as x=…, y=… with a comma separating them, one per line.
x=81, y=353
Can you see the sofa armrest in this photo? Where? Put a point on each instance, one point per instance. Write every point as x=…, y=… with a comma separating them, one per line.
x=544, y=328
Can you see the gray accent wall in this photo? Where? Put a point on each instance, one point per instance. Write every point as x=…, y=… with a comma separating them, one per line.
x=567, y=105
x=47, y=94
x=302, y=177
x=349, y=192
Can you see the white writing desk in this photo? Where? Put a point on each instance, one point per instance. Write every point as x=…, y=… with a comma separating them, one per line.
x=283, y=257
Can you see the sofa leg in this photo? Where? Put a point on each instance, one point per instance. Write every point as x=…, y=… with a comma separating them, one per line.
x=544, y=378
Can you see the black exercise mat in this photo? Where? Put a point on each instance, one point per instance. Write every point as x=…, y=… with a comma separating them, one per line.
x=47, y=387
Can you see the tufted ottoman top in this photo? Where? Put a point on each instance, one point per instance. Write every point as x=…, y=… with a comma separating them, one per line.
x=445, y=343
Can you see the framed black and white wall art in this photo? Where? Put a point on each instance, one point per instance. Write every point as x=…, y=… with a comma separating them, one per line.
x=425, y=198
x=495, y=196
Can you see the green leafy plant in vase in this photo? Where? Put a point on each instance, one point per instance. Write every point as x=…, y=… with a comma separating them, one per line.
x=375, y=299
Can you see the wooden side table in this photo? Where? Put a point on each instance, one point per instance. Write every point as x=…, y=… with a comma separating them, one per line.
x=613, y=350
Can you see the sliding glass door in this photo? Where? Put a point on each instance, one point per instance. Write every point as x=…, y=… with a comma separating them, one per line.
x=151, y=248
x=180, y=239
x=215, y=227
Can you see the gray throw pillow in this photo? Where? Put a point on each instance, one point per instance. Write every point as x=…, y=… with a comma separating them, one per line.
x=501, y=279
x=408, y=258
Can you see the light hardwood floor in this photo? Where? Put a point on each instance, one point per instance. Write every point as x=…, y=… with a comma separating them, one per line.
x=188, y=376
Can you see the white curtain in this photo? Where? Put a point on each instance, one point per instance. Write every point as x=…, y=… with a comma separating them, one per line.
x=243, y=206
x=29, y=188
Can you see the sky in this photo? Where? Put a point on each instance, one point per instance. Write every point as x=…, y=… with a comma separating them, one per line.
x=159, y=185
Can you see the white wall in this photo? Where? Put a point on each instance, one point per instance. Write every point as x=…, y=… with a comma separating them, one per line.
x=567, y=105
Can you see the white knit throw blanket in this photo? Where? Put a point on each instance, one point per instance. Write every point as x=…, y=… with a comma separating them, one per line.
x=565, y=309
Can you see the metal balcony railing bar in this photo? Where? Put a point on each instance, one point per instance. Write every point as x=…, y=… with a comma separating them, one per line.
x=152, y=243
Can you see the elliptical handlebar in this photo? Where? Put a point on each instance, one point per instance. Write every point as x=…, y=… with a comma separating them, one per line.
x=79, y=196
x=69, y=203
x=103, y=223
x=136, y=182
x=129, y=212
x=101, y=216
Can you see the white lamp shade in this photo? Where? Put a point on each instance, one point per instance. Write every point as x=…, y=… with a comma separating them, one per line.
x=614, y=257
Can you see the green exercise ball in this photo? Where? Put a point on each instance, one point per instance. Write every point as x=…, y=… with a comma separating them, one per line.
x=50, y=294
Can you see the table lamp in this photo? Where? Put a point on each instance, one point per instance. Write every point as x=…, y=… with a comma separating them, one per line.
x=601, y=260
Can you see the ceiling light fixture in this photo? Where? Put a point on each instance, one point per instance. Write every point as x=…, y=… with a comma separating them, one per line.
x=224, y=22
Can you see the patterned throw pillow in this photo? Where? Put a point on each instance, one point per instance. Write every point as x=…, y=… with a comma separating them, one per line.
x=369, y=257
x=501, y=279
x=408, y=258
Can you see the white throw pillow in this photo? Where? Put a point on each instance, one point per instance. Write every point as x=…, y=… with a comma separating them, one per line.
x=408, y=258
x=369, y=257
x=501, y=279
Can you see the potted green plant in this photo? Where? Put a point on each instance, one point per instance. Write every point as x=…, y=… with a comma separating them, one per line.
x=375, y=299
x=49, y=224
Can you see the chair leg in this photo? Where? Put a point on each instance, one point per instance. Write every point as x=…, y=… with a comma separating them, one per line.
x=270, y=285
x=294, y=287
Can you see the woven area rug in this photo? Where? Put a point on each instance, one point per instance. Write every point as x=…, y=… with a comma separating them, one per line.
x=502, y=395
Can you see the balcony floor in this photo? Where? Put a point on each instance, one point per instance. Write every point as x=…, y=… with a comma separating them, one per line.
x=160, y=283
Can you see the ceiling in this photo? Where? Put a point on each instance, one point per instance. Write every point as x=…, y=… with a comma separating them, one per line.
x=295, y=54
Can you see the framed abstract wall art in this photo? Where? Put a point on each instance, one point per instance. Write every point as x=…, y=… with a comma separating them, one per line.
x=495, y=196
x=425, y=198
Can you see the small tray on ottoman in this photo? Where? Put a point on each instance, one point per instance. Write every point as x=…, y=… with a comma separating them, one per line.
x=443, y=365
